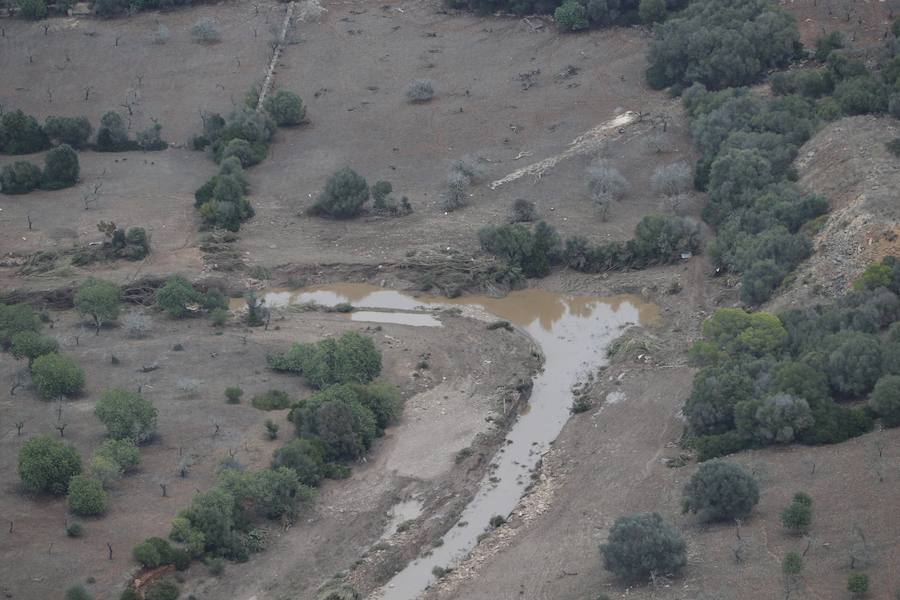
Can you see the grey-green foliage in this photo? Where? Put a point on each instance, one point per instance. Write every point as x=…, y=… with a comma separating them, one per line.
x=606, y=182
x=797, y=517
x=46, y=465
x=720, y=491
x=779, y=419
x=286, y=108
x=420, y=90
x=206, y=30
x=99, y=300
x=672, y=179
x=643, y=544
x=20, y=177
x=74, y=131
x=885, y=400
x=721, y=43
x=351, y=358
x=127, y=415
x=571, y=15
x=343, y=197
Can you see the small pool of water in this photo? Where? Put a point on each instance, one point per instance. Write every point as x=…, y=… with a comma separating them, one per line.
x=573, y=333
x=400, y=513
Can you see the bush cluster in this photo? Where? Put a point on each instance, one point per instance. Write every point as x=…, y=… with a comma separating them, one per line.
x=658, y=240
x=747, y=144
x=127, y=415
x=643, y=544
x=574, y=15
x=351, y=358
x=179, y=298
x=46, y=465
x=60, y=171
x=236, y=143
x=721, y=43
x=343, y=420
x=132, y=243
x=218, y=522
x=768, y=379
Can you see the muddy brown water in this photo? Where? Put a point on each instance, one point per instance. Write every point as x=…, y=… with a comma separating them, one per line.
x=573, y=333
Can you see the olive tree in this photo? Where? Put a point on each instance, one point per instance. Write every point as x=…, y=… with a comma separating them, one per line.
x=99, y=300
x=885, y=400
x=720, y=491
x=641, y=545
x=343, y=197
x=31, y=345
x=60, y=168
x=74, y=131
x=56, y=375
x=286, y=108
x=20, y=177
x=127, y=415
x=87, y=496
x=46, y=465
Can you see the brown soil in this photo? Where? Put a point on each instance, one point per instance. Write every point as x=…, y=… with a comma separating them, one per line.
x=447, y=406
x=351, y=70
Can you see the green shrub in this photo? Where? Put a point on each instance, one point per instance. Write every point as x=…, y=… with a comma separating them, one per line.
x=885, y=400
x=165, y=589
x=46, y=465
x=112, y=136
x=105, y=470
x=215, y=564
x=826, y=43
x=20, y=177
x=21, y=134
x=60, y=168
x=36, y=10
x=641, y=544
x=304, y=457
x=271, y=429
x=31, y=345
x=176, y=295
x=99, y=300
x=336, y=417
x=797, y=517
x=74, y=131
x=233, y=395
x=129, y=593
x=122, y=452
x=420, y=90
x=74, y=530
x=127, y=415
x=792, y=564
x=343, y=197
x=16, y=318
x=56, y=375
x=271, y=492
x=679, y=53
x=351, y=358
x=86, y=496
x=720, y=491
x=858, y=584
x=271, y=400
x=571, y=16
x=652, y=11
x=286, y=108
x=78, y=592
x=248, y=154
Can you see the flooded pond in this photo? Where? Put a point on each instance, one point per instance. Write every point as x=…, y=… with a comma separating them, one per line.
x=573, y=333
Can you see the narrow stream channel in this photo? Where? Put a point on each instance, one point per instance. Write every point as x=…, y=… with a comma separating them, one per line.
x=573, y=333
